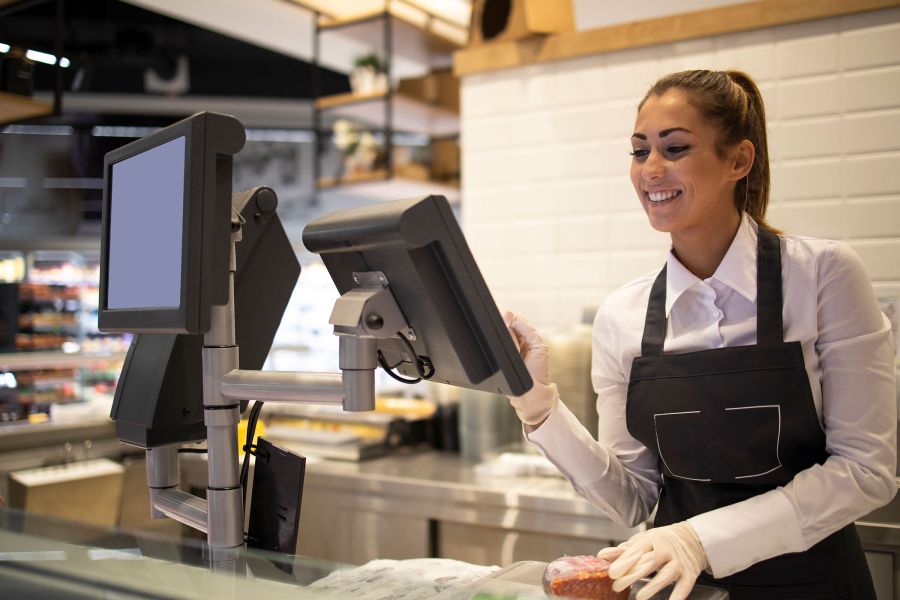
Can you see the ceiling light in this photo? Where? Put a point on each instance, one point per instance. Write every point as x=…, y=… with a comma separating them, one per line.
x=41, y=57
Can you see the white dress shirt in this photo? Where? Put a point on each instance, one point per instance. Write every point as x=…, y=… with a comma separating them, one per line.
x=830, y=307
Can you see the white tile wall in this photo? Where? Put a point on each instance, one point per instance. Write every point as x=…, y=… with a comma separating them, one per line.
x=548, y=208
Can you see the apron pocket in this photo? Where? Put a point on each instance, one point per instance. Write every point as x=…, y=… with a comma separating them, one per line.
x=680, y=438
x=755, y=435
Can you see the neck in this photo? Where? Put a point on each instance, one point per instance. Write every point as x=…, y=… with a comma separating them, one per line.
x=701, y=251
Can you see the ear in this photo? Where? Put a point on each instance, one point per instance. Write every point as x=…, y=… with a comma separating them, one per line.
x=742, y=156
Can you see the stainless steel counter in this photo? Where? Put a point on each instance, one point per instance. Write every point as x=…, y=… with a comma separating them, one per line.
x=445, y=486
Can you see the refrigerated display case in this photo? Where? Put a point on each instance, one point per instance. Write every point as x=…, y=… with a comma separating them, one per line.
x=53, y=359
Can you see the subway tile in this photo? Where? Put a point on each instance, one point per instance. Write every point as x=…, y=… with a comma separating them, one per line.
x=808, y=97
x=580, y=305
x=807, y=138
x=530, y=129
x=686, y=55
x=873, y=217
x=632, y=230
x=868, y=19
x=582, y=270
x=752, y=52
x=484, y=133
x=870, y=47
x=581, y=80
x=622, y=114
x=822, y=219
x=872, y=175
x=490, y=96
x=591, y=122
x=584, y=233
x=620, y=194
x=630, y=73
x=870, y=89
x=886, y=289
x=879, y=257
x=534, y=87
x=538, y=307
x=814, y=178
x=627, y=265
x=803, y=55
x=871, y=132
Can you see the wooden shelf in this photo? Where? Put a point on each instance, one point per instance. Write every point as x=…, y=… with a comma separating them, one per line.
x=409, y=115
x=417, y=37
x=14, y=108
x=376, y=185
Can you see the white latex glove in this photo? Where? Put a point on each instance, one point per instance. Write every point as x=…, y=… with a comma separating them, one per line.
x=535, y=405
x=674, y=552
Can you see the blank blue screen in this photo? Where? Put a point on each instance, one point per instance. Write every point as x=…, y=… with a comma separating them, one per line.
x=146, y=210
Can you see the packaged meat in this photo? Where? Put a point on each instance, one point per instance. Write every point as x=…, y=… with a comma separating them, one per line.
x=580, y=577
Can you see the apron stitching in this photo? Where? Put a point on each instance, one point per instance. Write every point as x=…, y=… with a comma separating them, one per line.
x=777, y=440
x=659, y=448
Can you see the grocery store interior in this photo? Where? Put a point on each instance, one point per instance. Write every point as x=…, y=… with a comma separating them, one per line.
x=519, y=114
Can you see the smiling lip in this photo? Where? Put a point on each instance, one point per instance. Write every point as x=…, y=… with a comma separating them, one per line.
x=662, y=195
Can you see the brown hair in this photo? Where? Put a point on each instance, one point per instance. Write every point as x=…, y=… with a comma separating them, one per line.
x=732, y=101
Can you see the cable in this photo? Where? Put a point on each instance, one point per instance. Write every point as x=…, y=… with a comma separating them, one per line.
x=420, y=363
x=249, y=447
x=390, y=370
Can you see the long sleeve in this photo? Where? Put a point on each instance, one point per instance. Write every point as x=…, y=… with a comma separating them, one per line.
x=854, y=349
x=615, y=472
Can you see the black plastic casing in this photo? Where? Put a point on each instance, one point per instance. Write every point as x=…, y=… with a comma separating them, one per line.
x=433, y=276
x=210, y=141
x=159, y=397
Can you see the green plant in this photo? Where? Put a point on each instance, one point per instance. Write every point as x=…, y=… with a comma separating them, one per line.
x=371, y=61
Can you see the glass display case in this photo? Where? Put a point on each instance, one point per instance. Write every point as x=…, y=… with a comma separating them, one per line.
x=51, y=353
x=41, y=557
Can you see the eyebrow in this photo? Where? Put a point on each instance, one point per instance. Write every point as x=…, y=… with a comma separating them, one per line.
x=662, y=133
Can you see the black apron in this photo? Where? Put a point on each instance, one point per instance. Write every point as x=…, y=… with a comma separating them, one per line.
x=731, y=423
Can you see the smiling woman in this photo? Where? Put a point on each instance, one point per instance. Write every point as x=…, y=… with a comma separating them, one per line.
x=745, y=391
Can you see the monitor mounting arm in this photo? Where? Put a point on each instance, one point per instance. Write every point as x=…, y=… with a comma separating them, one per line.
x=360, y=317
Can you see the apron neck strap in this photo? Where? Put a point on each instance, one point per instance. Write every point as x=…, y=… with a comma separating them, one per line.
x=769, y=326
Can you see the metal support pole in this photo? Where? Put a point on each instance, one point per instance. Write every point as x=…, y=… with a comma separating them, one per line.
x=223, y=493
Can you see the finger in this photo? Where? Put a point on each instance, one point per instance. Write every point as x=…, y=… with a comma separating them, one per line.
x=611, y=553
x=507, y=316
x=628, y=559
x=529, y=338
x=683, y=587
x=664, y=577
x=644, y=567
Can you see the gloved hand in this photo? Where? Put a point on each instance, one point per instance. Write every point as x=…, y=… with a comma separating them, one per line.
x=535, y=405
x=674, y=552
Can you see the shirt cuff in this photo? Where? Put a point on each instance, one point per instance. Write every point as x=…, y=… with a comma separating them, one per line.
x=745, y=533
x=569, y=446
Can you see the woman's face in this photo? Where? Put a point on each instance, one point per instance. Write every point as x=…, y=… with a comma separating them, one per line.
x=682, y=182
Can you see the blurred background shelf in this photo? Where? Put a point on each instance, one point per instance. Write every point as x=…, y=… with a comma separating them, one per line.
x=14, y=107
x=409, y=114
x=378, y=186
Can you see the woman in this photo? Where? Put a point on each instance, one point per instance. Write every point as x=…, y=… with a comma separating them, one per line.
x=747, y=388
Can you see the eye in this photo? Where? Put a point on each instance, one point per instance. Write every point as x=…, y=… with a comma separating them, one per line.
x=639, y=153
x=677, y=149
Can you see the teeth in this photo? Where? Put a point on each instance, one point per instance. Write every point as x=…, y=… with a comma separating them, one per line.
x=660, y=196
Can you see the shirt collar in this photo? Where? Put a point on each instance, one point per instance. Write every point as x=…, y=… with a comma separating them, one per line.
x=737, y=269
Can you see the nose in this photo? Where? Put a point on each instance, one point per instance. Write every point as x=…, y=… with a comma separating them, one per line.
x=654, y=167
